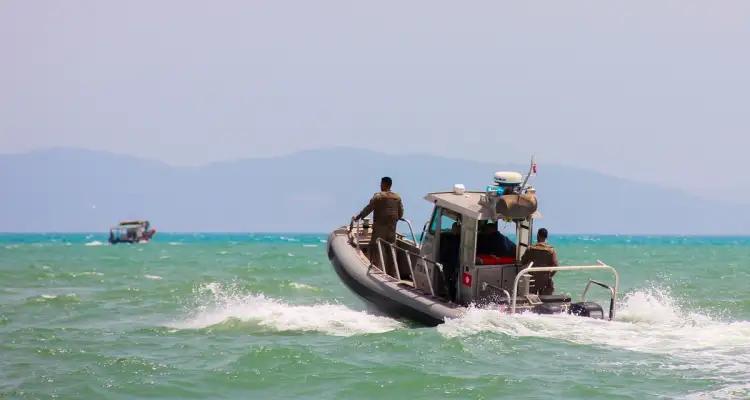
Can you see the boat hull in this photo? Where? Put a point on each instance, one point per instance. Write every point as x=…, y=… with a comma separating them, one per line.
x=383, y=292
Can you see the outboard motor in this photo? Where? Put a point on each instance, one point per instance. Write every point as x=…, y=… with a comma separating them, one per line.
x=587, y=309
x=550, y=308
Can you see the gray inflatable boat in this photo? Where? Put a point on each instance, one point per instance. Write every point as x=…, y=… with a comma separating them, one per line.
x=469, y=253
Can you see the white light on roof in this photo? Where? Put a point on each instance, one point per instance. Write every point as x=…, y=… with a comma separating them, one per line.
x=459, y=188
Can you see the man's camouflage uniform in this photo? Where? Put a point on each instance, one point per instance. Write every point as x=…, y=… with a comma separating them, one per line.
x=387, y=209
x=543, y=255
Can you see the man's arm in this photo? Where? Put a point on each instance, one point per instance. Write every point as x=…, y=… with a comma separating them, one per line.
x=367, y=210
x=554, y=262
x=554, y=259
x=525, y=258
x=400, y=209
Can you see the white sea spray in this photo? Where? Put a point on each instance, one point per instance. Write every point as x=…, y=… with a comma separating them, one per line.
x=224, y=303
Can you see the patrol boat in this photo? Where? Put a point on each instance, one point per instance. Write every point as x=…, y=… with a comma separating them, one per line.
x=131, y=232
x=450, y=267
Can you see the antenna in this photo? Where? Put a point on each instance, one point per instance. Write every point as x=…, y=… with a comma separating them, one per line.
x=532, y=171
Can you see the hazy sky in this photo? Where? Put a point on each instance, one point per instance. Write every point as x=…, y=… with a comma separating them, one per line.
x=657, y=91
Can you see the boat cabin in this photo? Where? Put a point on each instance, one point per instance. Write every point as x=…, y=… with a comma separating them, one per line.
x=131, y=232
x=465, y=235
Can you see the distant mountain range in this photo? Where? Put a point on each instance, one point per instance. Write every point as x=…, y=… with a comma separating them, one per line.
x=63, y=190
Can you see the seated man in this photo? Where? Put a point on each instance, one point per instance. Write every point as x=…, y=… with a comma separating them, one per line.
x=543, y=255
x=491, y=242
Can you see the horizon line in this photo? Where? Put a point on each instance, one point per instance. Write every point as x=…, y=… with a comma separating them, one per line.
x=4, y=233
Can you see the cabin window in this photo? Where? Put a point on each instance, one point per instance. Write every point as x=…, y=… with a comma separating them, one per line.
x=449, y=221
x=494, y=246
x=434, y=220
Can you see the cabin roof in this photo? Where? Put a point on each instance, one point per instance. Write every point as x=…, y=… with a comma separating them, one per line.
x=468, y=203
x=123, y=223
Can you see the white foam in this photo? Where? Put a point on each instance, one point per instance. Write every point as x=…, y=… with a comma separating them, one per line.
x=94, y=243
x=86, y=273
x=309, y=245
x=175, y=243
x=296, y=285
x=648, y=321
x=225, y=304
x=63, y=297
x=153, y=277
x=731, y=391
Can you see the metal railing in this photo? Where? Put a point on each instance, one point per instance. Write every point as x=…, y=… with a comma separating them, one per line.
x=356, y=228
x=612, y=292
x=411, y=230
x=356, y=224
x=394, y=248
x=599, y=266
x=485, y=285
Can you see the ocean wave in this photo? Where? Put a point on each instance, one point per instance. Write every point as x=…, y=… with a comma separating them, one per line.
x=302, y=286
x=86, y=273
x=647, y=321
x=54, y=298
x=734, y=391
x=153, y=277
x=94, y=243
x=221, y=304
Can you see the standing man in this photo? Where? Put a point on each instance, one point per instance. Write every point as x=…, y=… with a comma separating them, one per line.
x=543, y=255
x=387, y=209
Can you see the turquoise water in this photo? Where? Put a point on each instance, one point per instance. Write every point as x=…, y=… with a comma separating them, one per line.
x=264, y=316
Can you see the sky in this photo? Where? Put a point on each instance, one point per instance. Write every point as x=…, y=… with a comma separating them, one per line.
x=651, y=91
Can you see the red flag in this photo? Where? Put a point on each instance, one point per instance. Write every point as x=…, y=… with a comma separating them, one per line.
x=533, y=168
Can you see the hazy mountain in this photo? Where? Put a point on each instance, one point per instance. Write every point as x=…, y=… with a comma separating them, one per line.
x=79, y=190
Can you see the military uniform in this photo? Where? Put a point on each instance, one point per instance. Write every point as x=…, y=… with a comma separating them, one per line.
x=543, y=255
x=387, y=209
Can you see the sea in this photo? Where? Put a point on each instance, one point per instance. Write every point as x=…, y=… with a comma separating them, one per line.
x=264, y=316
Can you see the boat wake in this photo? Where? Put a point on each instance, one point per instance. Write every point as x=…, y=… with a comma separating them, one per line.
x=648, y=321
x=221, y=304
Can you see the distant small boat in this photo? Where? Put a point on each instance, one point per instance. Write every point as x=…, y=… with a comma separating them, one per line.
x=131, y=232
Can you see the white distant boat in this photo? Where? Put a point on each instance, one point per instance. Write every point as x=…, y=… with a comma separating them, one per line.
x=131, y=232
